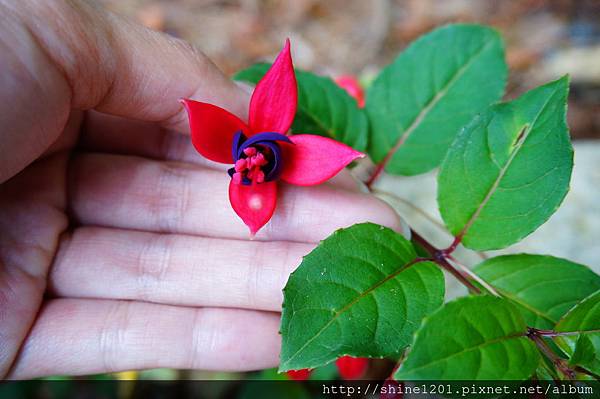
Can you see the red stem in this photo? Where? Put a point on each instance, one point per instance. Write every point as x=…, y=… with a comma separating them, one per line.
x=448, y=251
x=439, y=257
x=559, y=362
x=376, y=173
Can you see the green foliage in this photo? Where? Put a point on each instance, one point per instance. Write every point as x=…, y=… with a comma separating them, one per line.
x=323, y=107
x=508, y=170
x=356, y=294
x=584, y=347
x=505, y=168
x=418, y=104
x=471, y=338
x=544, y=288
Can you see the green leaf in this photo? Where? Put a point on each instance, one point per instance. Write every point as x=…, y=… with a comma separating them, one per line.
x=471, y=338
x=584, y=348
x=508, y=171
x=544, y=288
x=585, y=352
x=418, y=104
x=359, y=293
x=324, y=108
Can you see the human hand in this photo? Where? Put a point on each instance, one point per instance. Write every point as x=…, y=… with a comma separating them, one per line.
x=118, y=247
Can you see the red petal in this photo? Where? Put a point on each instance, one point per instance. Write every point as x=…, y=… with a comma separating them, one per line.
x=314, y=159
x=352, y=87
x=254, y=203
x=352, y=368
x=213, y=129
x=273, y=103
x=299, y=375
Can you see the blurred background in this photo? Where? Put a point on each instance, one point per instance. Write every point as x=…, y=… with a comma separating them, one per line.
x=544, y=40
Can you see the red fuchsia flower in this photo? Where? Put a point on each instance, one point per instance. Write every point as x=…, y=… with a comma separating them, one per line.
x=261, y=151
x=352, y=368
x=352, y=87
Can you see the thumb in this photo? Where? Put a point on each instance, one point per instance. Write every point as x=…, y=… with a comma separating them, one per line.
x=75, y=55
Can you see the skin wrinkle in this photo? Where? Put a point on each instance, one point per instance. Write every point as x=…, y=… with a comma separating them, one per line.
x=106, y=50
x=153, y=265
x=62, y=253
x=105, y=336
x=252, y=279
x=69, y=35
x=162, y=207
x=23, y=76
x=195, y=335
x=209, y=341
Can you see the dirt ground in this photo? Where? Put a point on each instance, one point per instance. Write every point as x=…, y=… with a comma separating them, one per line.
x=544, y=39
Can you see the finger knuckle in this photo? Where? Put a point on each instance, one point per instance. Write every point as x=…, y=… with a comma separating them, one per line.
x=170, y=197
x=112, y=336
x=153, y=264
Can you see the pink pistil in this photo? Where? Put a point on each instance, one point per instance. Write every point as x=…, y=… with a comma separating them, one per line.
x=237, y=177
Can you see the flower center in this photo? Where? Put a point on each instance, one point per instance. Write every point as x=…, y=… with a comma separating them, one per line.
x=257, y=159
x=251, y=166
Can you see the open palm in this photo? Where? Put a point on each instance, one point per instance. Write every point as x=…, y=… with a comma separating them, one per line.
x=118, y=248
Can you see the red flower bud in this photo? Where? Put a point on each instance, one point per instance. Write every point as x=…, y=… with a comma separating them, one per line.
x=352, y=368
x=299, y=375
x=353, y=87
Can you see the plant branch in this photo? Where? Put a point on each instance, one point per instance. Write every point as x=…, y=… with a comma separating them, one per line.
x=552, y=333
x=377, y=172
x=427, y=216
x=475, y=277
x=587, y=372
x=457, y=240
x=558, y=362
x=440, y=258
x=411, y=206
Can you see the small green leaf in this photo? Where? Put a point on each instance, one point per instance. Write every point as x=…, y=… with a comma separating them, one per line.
x=584, y=348
x=471, y=338
x=508, y=171
x=585, y=352
x=544, y=288
x=418, y=104
x=324, y=108
x=359, y=293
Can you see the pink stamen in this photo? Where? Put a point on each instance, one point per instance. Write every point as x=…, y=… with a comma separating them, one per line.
x=259, y=159
x=250, y=167
x=240, y=165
